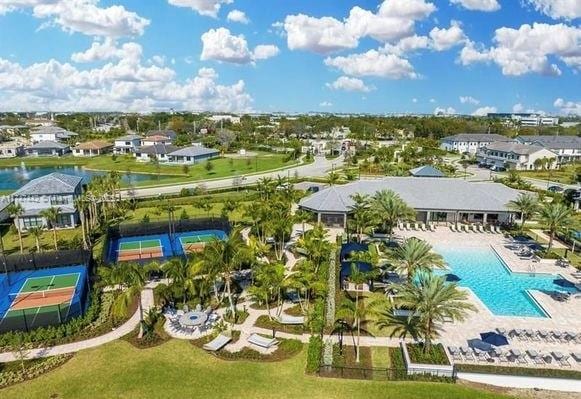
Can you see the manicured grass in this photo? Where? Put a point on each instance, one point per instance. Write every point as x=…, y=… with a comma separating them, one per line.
x=565, y=175
x=11, y=243
x=155, y=214
x=380, y=357
x=521, y=371
x=178, y=369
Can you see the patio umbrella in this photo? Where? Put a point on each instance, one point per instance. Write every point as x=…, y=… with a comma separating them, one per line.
x=479, y=344
x=493, y=338
x=561, y=282
x=452, y=278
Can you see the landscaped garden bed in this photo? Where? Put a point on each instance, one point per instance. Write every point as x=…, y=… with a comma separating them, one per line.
x=20, y=371
x=265, y=322
x=436, y=354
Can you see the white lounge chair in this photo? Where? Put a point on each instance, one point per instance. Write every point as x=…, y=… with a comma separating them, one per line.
x=453, y=228
x=217, y=343
x=261, y=341
x=474, y=228
x=498, y=231
x=416, y=226
x=481, y=229
x=294, y=320
x=408, y=226
x=432, y=226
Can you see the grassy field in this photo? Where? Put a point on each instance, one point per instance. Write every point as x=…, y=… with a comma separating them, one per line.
x=565, y=175
x=11, y=243
x=178, y=369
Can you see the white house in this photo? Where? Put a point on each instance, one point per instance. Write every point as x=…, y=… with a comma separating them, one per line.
x=92, y=148
x=515, y=155
x=50, y=133
x=11, y=149
x=55, y=190
x=470, y=142
x=159, y=152
x=192, y=155
x=126, y=144
x=156, y=139
x=47, y=149
x=567, y=148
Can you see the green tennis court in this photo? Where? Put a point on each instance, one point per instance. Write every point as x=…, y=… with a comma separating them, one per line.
x=195, y=242
x=139, y=249
x=34, y=284
x=141, y=244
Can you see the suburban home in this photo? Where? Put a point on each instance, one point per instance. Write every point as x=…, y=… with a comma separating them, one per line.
x=155, y=151
x=55, y=190
x=11, y=149
x=515, y=155
x=442, y=200
x=170, y=134
x=427, y=171
x=126, y=144
x=192, y=155
x=92, y=148
x=567, y=148
x=469, y=142
x=47, y=148
x=51, y=133
x=156, y=139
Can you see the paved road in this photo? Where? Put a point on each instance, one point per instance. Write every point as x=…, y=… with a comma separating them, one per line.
x=320, y=167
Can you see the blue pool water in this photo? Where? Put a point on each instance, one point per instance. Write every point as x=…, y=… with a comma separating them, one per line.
x=503, y=292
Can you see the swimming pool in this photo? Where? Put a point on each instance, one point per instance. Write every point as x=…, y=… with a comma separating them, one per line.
x=504, y=293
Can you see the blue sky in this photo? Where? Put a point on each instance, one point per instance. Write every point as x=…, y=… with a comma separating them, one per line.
x=419, y=56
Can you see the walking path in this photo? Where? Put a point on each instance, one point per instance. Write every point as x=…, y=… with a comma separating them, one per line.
x=130, y=325
x=511, y=381
x=541, y=234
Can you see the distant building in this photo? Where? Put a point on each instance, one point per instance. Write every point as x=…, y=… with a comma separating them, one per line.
x=11, y=149
x=172, y=135
x=427, y=171
x=526, y=119
x=192, y=155
x=50, y=133
x=158, y=152
x=126, y=144
x=92, y=148
x=514, y=155
x=230, y=118
x=55, y=190
x=47, y=148
x=567, y=148
x=156, y=139
x=470, y=142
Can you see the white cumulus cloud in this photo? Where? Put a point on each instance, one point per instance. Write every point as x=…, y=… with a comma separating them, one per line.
x=483, y=111
x=469, y=100
x=374, y=63
x=326, y=104
x=444, y=111
x=568, y=107
x=566, y=9
x=444, y=39
x=238, y=16
x=478, y=5
x=208, y=8
x=350, y=84
x=221, y=45
x=108, y=50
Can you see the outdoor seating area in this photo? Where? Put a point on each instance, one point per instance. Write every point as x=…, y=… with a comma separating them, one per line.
x=554, y=336
x=186, y=321
x=419, y=226
x=262, y=342
x=474, y=228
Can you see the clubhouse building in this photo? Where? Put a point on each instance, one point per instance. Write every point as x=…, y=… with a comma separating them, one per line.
x=441, y=200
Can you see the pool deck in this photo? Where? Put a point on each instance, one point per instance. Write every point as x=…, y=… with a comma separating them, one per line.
x=564, y=316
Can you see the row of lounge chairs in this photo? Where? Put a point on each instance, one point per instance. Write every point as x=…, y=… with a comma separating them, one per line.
x=421, y=226
x=474, y=228
x=554, y=336
x=497, y=355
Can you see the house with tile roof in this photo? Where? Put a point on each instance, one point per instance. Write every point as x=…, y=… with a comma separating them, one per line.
x=56, y=190
x=92, y=148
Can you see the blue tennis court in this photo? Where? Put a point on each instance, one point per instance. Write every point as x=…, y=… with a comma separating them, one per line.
x=36, y=298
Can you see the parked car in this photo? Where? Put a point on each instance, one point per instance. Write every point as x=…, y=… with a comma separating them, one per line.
x=496, y=168
x=555, y=189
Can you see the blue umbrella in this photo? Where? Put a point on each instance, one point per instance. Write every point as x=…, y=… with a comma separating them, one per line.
x=494, y=338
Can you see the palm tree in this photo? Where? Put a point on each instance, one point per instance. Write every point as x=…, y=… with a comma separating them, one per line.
x=302, y=216
x=361, y=213
x=36, y=232
x=81, y=207
x=223, y=258
x=556, y=216
x=16, y=211
x=414, y=256
x=333, y=178
x=390, y=208
x=432, y=300
x=527, y=205
x=51, y=215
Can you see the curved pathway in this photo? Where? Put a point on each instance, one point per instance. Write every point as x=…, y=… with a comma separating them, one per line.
x=130, y=325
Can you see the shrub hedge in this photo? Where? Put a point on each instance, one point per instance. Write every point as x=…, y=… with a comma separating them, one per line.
x=519, y=371
x=314, y=354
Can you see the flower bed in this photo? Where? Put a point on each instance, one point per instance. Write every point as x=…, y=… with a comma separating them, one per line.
x=16, y=372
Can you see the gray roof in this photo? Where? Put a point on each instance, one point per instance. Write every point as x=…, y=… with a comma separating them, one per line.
x=552, y=142
x=54, y=183
x=157, y=149
x=129, y=137
x=43, y=145
x=427, y=171
x=479, y=137
x=515, y=148
x=422, y=193
x=59, y=131
x=193, y=151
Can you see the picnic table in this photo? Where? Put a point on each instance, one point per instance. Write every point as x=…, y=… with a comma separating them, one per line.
x=193, y=318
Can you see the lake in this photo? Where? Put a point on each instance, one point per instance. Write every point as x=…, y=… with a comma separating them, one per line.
x=12, y=178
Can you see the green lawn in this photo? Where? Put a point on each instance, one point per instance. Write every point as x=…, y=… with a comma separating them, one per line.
x=177, y=369
x=565, y=175
x=11, y=243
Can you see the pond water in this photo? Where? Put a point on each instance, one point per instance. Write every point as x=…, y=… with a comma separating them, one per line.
x=12, y=178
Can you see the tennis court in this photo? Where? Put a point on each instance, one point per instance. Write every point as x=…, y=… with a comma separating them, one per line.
x=41, y=297
x=139, y=249
x=195, y=241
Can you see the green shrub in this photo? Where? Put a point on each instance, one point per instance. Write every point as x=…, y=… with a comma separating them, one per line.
x=264, y=322
x=436, y=355
x=314, y=354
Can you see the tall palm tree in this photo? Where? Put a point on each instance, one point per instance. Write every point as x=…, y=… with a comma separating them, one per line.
x=432, y=300
x=390, y=208
x=556, y=216
x=361, y=213
x=527, y=205
x=16, y=211
x=302, y=216
x=51, y=215
x=81, y=207
x=223, y=258
x=36, y=232
x=333, y=178
x=414, y=256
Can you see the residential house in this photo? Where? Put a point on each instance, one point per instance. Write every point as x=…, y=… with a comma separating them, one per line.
x=126, y=144
x=469, y=142
x=156, y=139
x=92, y=148
x=192, y=155
x=47, y=148
x=166, y=133
x=515, y=155
x=55, y=190
x=156, y=151
x=11, y=149
x=567, y=148
x=51, y=133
